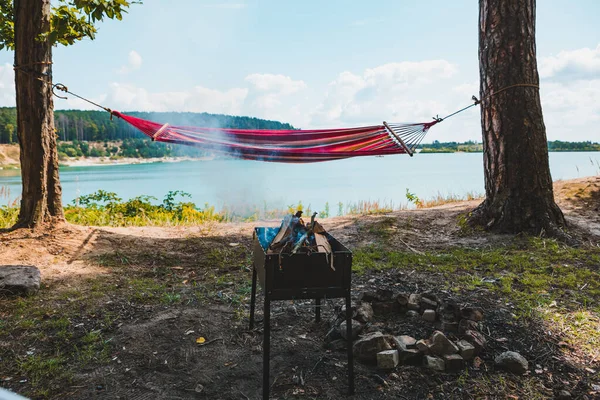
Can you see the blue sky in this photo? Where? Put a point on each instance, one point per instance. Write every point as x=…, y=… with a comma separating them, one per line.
x=324, y=63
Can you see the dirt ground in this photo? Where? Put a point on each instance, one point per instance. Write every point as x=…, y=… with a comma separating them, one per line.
x=152, y=292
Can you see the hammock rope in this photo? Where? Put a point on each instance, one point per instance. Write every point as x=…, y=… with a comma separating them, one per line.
x=292, y=146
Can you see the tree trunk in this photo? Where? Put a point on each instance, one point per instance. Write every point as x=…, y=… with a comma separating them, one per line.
x=41, y=200
x=518, y=185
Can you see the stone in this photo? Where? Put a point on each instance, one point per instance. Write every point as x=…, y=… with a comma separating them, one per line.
x=465, y=349
x=563, y=395
x=423, y=346
x=431, y=296
x=357, y=328
x=414, y=301
x=410, y=356
x=472, y=313
x=385, y=294
x=435, y=363
x=402, y=299
x=364, y=313
x=368, y=297
x=440, y=345
x=407, y=342
x=366, y=348
x=333, y=334
x=394, y=376
x=337, y=345
x=449, y=326
x=19, y=279
x=412, y=314
x=476, y=339
x=454, y=362
x=342, y=314
x=466, y=325
x=426, y=303
x=513, y=362
x=377, y=296
x=449, y=310
x=387, y=359
x=385, y=307
x=429, y=315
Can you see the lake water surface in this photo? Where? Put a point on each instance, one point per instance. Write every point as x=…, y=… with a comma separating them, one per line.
x=241, y=184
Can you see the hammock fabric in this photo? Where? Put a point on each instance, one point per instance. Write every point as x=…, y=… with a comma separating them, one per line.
x=291, y=146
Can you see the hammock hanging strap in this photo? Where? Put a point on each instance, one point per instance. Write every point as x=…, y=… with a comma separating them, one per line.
x=292, y=146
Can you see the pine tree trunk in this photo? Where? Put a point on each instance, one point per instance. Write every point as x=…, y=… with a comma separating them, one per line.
x=518, y=185
x=41, y=200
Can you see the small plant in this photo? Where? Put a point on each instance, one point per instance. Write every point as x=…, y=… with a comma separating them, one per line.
x=413, y=199
x=325, y=213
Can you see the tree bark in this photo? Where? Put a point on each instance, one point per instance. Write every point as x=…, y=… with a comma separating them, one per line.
x=41, y=199
x=518, y=185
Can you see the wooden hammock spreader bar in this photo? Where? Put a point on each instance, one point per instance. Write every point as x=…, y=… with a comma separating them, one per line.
x=391, y=131
x=159, y=132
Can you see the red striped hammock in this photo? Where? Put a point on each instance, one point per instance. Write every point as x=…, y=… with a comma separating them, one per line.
x=291, y=146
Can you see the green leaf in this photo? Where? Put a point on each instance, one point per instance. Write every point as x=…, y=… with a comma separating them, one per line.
x=71, y=20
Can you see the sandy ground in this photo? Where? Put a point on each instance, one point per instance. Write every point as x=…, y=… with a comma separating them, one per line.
x=153, y=355
x=62, y=253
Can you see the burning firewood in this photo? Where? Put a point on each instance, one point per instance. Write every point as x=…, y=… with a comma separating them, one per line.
x=295, y=236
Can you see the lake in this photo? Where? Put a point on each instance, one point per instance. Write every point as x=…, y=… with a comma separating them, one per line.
x=240, y=184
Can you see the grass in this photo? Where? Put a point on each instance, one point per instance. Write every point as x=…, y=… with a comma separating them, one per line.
x=107, y=209
x=62, y=331
x=70, y=329
x=541, y=278
x=538, y=268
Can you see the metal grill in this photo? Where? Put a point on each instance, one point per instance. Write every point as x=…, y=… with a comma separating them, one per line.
x=284, y=276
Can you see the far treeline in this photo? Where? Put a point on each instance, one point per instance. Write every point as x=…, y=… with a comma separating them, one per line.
x=78, y=127
x=96, y=126
x=95, y=134
x=474, y=147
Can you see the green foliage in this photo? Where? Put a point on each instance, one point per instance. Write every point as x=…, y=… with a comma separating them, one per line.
x=169, y=200
x=97, y=126
x=7, y=25
x=8, y=216
x=325, y=212
x=413, y=199
x=106, y=208
x=98, y=200
x=70, y=20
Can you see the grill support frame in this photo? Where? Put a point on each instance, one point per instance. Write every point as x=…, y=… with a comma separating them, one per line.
x=266, y=270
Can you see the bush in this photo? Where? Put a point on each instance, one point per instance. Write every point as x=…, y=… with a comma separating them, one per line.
x=70, y=152
x=94, y=152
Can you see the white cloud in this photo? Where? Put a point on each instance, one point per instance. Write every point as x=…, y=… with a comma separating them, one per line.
x=276, y=96
x=197, y=99
x=390, y=91
x=572, y=64
x=134, y=62
x=7, y=86
x=275, y=83
x=572, y=110
x=396, y=92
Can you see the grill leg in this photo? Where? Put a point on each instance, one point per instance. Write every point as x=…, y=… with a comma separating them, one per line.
x=349, y=335
x=266, y=345
x=253, y=298
x=318, y=310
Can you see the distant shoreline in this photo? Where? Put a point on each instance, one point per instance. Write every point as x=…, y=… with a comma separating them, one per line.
x=9, y=158
x=99, y=161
